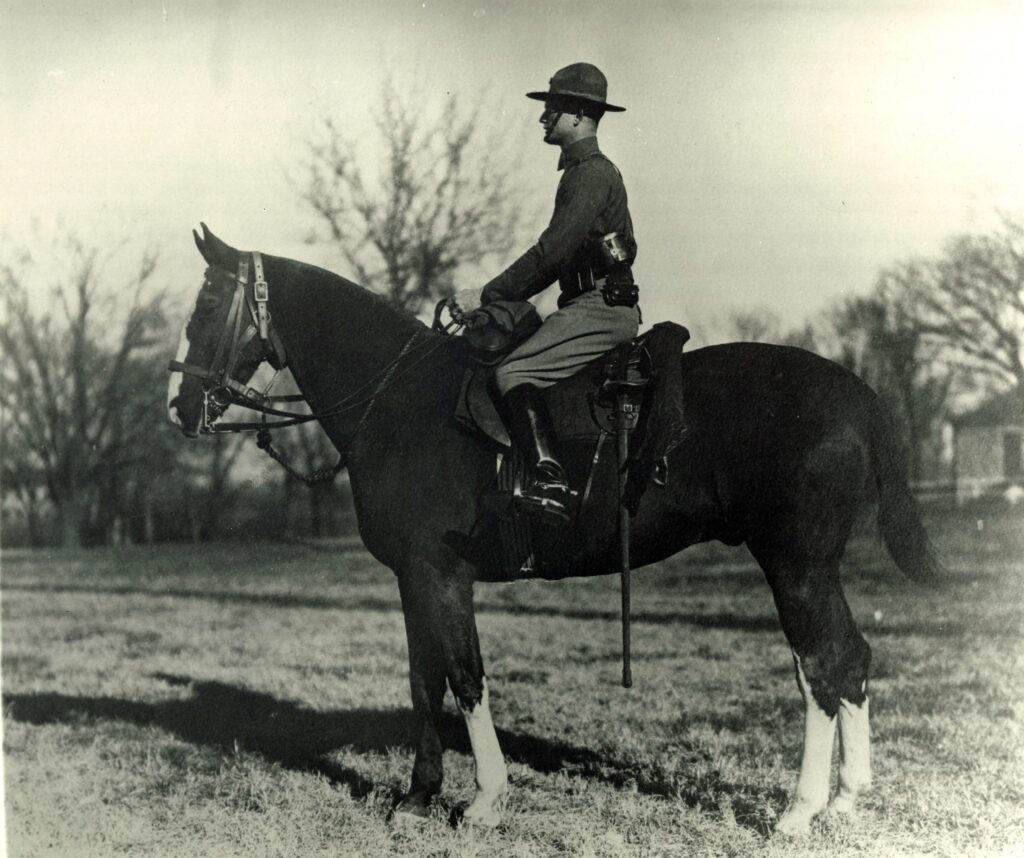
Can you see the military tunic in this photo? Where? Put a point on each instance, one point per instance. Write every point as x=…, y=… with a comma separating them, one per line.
x=590, y=203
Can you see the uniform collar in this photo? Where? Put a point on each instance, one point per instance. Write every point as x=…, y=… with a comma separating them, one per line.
x=577, y=152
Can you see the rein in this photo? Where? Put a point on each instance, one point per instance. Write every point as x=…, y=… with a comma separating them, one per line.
x=220, y=390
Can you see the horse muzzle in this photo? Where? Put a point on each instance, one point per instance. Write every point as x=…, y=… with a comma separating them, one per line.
x=194, y=408
x=180, y=415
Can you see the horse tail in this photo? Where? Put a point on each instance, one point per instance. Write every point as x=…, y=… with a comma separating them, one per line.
x=899, y=516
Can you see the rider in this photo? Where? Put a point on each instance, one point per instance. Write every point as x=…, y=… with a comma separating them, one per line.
x=588, y=247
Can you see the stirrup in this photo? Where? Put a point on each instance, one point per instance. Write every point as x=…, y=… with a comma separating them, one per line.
x=547, y=499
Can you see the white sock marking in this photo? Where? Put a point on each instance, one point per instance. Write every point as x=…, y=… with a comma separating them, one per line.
x=854, y=754
x=812, y=785
x=491, y=774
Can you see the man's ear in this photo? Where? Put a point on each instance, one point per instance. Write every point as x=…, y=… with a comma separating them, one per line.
x=215, y=251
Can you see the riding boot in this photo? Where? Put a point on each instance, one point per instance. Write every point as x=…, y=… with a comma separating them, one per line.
x=528, y=421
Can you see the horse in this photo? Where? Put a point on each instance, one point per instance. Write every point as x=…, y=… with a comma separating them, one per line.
x=783, y=449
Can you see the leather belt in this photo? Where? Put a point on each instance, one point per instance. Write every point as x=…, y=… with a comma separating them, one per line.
x=583, y=281
x=586, y=281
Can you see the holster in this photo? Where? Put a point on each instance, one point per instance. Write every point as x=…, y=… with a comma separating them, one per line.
x=620, y=290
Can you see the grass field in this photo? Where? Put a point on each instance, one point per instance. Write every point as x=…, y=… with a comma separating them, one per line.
x=252, y=700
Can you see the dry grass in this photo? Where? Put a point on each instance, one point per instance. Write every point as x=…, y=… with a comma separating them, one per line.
x=252, y=700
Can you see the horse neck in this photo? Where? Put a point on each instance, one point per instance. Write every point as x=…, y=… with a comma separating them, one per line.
x=337, y=335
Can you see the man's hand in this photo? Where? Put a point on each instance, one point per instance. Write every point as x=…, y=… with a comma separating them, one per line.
x=465, y=301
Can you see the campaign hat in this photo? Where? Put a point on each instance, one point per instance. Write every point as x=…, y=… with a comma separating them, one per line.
x=579, y=81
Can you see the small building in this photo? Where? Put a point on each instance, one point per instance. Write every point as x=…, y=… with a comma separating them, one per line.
x=988, y=446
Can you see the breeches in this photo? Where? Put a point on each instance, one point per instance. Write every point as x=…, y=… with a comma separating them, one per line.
x=570, y=338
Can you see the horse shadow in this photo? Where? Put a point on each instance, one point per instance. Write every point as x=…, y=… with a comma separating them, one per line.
x=229, y=718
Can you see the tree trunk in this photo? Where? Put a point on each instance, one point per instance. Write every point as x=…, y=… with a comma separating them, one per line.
x=188, y=502
x=71, y=513
x=35, y=532
x=316, y=511
x=33, y=523
x=332, y=509
x=147, y=517
x=291, y=519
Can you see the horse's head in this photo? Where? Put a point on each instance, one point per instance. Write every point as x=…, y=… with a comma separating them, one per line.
x=222, y=344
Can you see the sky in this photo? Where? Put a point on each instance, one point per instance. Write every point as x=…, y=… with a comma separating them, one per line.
x=776, y=154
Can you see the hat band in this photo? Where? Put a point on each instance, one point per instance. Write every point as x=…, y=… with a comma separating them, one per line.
x=573, y=94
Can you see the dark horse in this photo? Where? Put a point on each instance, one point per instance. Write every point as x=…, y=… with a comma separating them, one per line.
x=782, y=450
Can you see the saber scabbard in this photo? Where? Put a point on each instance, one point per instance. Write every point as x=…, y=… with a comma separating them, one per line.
x=623, y=418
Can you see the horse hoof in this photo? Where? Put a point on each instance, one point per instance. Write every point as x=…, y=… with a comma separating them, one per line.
x=483, y=812
x=410, y=811
x=481, y=817
x=795, y=822
x=843, y=805
x=408, y=819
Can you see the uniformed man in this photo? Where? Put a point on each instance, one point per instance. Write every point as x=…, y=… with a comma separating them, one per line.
x=588, y=248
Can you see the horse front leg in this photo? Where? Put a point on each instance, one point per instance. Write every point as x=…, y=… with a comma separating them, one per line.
x=491, y=773
x=427, y=685
x=455, y=625
x=442, y=605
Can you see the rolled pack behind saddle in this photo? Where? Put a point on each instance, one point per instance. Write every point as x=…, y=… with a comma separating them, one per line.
x=638, y=383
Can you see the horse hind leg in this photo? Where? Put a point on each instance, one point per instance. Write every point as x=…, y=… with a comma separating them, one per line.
x=832, y=661
x=812, y=786
x=819, y=731
x=854, y=753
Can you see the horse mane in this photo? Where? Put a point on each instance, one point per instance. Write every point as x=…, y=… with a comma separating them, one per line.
x=379, y=305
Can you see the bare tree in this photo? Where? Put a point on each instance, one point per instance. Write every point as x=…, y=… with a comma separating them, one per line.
x=24, y=483
x=444, y=196
x=757, y=325
x=877, y=337
x=310, y=450
x=761, y=324
x=81, y=394
x=970, y=302
x=314, y=509
x=208, y=493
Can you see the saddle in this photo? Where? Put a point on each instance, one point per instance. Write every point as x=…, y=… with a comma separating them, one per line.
x=642, y=376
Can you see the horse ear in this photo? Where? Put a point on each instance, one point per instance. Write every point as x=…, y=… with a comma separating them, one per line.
x=215, y=251
x=200, y=245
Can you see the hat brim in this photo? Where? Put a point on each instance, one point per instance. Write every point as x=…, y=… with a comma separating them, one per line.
x=604, y=105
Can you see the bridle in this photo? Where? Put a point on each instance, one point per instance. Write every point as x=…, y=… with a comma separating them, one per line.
x=249, y=318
